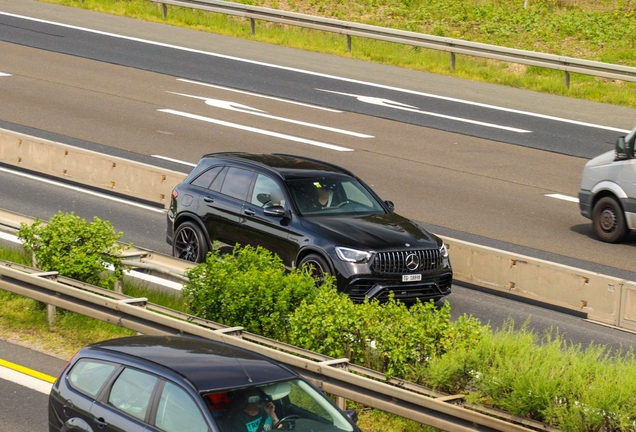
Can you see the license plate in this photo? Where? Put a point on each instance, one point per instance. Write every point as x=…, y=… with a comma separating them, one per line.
x=411, y=278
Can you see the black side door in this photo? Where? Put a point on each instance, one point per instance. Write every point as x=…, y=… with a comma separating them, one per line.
x=220, y=205
x=75, y=393
x=268, y=230
x=126, y=405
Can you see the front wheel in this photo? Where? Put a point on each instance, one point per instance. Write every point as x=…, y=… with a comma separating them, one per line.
x=609, y=221
x=189, y=243
x=316, y=267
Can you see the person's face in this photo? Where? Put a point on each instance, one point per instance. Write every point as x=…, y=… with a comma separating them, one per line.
x=323, y=196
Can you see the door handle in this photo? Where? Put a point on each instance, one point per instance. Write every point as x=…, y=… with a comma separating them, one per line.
x=101, y=423
x=249, y=212
x=208, y=199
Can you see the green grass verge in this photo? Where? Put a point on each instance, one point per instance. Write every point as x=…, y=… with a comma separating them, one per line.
x=604, y=31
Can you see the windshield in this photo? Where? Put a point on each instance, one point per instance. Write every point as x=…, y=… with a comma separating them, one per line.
x=332, y=196
x=284, y=405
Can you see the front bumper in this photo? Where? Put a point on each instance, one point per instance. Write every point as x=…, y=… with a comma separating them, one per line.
x=585, y=203
x=361, y=281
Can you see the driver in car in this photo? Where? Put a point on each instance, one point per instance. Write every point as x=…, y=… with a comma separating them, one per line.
x=258, y=415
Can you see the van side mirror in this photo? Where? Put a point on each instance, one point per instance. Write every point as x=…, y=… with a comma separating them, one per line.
x=623, y=149
x=390, y=205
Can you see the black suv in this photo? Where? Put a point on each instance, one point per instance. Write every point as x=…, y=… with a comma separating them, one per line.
x=311, y=214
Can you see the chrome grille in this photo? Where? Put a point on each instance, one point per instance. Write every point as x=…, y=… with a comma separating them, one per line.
x=395, y=262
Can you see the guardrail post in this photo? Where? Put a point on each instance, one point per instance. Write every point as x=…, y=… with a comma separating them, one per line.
x=164, y=10
x=452, y=61
x=252, y=26
x=349, y=43
x=567, y=80
x=50, y=314
x=119, y=286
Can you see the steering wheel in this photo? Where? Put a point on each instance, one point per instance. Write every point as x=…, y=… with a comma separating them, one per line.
x=284, y=419
x=337, y=206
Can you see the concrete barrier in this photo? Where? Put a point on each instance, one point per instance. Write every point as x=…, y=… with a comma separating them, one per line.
x=601, y=298
x=111, y=173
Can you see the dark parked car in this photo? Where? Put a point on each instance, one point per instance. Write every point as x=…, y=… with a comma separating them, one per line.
x=185, y=384
x=311, y=214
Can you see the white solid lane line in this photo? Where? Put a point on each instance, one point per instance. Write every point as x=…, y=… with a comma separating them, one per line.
x=245, y=109
x=256, y=130
x=85, y=191
x=174, y=160
x=493, y=107
x=259, y=95
x=25, y=380
x=563, y=197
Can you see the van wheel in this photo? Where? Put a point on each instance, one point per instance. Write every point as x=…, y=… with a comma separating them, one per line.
x=189, y=243
x=315, y=266
x=609, y=221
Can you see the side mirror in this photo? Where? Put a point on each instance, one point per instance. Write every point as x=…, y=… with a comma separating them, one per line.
x=352, y=415
x=276, y=211
x=623, y=149
x=390, y=205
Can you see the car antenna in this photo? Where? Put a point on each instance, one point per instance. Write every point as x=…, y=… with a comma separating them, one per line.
x=249, y=379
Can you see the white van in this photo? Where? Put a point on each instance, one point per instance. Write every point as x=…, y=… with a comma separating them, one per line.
x=608, y=191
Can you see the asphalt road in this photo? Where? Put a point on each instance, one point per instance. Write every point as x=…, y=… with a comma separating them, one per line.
x=445, y=162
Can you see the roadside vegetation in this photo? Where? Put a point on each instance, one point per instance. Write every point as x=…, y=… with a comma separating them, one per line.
x=537, y=377
x=599, y=30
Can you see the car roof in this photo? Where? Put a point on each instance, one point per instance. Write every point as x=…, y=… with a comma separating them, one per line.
x=207, y=364
x=288, y=166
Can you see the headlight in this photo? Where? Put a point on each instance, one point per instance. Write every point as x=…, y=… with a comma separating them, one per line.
x=443, y=251
x=352, y=255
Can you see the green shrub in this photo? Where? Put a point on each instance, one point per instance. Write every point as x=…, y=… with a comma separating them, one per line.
x=542, y=378
x=75, y=248
x=249, y=288
x=389, y=337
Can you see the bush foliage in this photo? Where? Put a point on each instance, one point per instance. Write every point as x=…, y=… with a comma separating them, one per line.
x=388, y=337
x=75, y=248
x=248, y=288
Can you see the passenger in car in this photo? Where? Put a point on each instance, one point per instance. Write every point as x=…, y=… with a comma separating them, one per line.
x=255, y=413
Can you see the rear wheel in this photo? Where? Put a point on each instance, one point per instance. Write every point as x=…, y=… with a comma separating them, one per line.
x=609, y=221
x=190, y=243
x=315, y=266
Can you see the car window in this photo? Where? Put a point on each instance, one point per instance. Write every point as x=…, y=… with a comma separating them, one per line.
x=218, y=181
x=206, y=178
x=88, y=375
x=357, y=194
x=266, y=192
x=333, y=196
x=131, y=392
x=177, y=412
x=237, y=182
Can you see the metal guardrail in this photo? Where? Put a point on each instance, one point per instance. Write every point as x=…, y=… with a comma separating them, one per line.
x=334, y=376
x=453, y=46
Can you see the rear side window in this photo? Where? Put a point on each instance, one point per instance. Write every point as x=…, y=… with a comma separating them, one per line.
x=205, y=179
x=131, y=392
x=177, y=412
x=237, y=183
x=88, y=376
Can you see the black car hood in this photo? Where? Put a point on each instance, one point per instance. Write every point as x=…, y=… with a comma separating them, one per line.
x=372, y=232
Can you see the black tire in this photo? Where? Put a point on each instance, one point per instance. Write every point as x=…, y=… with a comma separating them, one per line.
x=190, y=243
x=315, y=266
x=608, y=221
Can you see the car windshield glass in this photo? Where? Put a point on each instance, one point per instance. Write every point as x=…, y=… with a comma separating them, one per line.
x=332, y=196
x=294, y=404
